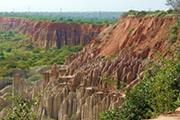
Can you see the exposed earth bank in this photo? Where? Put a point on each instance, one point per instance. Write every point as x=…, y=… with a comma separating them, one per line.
x=75, y=89
x=52, y=35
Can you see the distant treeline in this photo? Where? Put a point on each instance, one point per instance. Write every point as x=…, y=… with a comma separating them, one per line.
x=84, y=17
x=68, y=17
x=157, y=13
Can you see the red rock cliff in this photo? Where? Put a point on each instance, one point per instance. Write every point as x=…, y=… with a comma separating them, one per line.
x=138, y=36
x=52, y=35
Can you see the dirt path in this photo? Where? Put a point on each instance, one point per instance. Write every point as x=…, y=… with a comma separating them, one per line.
x=170, y=115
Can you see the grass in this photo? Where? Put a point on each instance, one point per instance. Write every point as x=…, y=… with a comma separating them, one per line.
x=17, y=52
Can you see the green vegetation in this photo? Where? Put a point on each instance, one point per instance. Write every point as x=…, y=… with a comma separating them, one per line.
x=34, y=78
x=68, y=17
x=132, y=46
x=156, y=13
x=73, y=117
x=22, y=108
x=94, y=47
x=111, y=57
x=17, y=52
x=157, y=93
x=131, y=30
x=104, y=41
x=173, y=33
x=175, y=4
x=108, y=78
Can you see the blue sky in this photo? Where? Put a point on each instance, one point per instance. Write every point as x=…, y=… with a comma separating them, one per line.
x=82, y=5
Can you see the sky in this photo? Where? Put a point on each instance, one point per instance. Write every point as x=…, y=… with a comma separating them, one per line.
x=81, y=5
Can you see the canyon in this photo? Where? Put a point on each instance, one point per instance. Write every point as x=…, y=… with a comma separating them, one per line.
x=52, y=35
x=76, y=88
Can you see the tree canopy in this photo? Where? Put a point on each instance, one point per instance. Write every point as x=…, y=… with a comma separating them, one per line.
x=175, y=4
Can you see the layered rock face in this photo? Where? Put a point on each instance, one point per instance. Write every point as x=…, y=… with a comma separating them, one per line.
x=142, y=35
x=52, y=35
x=77, y=90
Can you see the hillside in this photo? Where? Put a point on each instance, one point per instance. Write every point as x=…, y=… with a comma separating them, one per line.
x=95, y=80
x=140, y=36
x=52, y=35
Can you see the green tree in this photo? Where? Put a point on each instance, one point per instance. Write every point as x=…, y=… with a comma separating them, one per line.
x=22, y=108
x=175, y=4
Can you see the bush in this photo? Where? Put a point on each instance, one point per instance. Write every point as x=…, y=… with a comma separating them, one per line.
x=34, y=78
x=141, y=13
x=36, y=50
x=173, y=33
x=157, y=93
x=8, y=49
x=94, y=47
x=161, y=14
x=170, y=11
x=22, y=108
x=30, y=46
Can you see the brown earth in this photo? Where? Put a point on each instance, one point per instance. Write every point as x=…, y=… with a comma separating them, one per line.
x=52, y=35
x=76, y=88
x=147, y=33
x=170, y=115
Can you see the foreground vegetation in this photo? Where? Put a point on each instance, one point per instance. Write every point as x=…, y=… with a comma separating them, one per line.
x=17, y=52
x=158, y=92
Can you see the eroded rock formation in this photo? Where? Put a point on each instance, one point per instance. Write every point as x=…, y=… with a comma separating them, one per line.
x=139, y=35
x=75, y=89
x=52, y=35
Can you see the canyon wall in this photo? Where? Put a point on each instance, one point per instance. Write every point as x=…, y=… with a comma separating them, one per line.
x=78, y=88
x=52, y=35
x=141, y=36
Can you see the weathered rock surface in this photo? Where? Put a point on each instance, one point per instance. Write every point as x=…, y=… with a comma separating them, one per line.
x=75, y=89
x=148, y=34
x=52, y=35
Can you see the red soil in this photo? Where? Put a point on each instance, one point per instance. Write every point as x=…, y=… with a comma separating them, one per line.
x=149, y=33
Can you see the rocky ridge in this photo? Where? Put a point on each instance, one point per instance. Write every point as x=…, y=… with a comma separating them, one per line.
x=75, y=89
x=52, y=35
x=138, y=35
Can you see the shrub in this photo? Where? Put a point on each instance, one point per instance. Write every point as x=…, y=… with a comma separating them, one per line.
x=131, y=30
x=36, y=50
x=1, y=53
x=101, y=57
x=76, y=48
x=173, y=33
x=30, y=46
x=157, y=93
x=34, y=78
x=131, y=47
x=161, y=14
x=104, y=42
x=73, y=117
x=22, y=108
x=141, y=13
x=95, y=46
x=8, y=49
x=170, y=11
